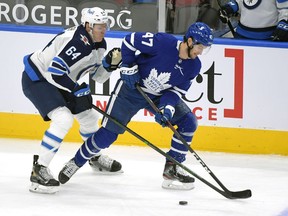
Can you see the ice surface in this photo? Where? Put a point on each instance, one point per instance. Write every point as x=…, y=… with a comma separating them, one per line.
x=138, y=192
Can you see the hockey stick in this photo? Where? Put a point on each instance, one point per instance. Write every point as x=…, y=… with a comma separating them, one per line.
x=223, y=193
x=228, y=21
x=233, y=194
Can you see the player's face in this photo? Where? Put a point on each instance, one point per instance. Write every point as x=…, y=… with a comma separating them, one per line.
x=197, y=50
x=98, y=32
x=192, y=50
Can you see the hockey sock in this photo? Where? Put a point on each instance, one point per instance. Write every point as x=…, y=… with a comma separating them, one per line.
x=178, y=150
x=61, y=122
x=103, y=138
x=49, y=146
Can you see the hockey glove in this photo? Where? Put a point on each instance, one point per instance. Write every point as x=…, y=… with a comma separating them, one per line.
x=82, y=98
x=130, y=76
x=112, y=60
x=81, y=90
x=165, y=115
x=225, y=13
x=281, y=32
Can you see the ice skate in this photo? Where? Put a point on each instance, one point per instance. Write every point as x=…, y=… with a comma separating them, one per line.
x=104, y=165
x=42, y=180
x=67, y=171
x=176, y=178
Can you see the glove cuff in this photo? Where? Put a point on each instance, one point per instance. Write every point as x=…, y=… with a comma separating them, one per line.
x=129, y=70
x=106, y=65
x=81, y=90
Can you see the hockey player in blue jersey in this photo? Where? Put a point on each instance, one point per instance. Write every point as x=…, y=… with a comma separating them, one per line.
x=262, y=20
x=49, y=81
x=164, y=67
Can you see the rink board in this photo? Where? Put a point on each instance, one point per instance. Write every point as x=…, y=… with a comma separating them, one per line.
x=219, y=139
x=240, y=98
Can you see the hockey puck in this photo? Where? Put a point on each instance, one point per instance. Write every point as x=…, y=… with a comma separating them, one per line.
x=183, y=202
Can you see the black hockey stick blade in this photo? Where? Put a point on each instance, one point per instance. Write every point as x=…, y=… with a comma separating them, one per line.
x=240, y=194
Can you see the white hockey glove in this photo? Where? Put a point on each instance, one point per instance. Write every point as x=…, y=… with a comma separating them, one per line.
x=130, y=76
x=112, y=60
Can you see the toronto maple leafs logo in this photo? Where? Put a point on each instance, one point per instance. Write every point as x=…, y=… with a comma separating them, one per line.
x=157, y=83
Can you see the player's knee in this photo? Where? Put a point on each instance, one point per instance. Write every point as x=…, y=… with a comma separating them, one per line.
x=103, y=138
x=62, y=120
x=188, y=123
x=88, y=121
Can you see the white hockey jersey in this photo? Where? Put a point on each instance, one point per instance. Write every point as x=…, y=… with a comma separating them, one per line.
x=67, y=57
x=259, y=18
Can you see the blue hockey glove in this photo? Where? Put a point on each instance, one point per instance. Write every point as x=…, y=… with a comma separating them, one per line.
x=281, y=32
x=82, y=99
x=164, y=116
x=112, y=60
x=130, y=76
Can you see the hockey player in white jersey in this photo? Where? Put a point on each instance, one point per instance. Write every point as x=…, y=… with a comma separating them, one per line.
x=49, y=81
x=164, y=69
x=259, y=19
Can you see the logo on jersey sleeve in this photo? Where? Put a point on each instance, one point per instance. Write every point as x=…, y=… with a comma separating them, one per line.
x=157, y=83
x=84, y=39
x=180, y=69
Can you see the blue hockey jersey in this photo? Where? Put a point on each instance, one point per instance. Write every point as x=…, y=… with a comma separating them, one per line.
x=160, y=68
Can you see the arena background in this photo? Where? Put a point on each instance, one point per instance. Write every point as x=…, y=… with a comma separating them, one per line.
x=240, y=97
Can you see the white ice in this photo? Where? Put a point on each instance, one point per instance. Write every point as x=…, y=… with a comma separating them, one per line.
x=138, y=192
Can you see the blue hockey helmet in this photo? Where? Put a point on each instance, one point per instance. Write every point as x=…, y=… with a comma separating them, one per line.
x=200, y=33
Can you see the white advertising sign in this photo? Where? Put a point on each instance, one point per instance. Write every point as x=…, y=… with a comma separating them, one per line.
x=239, y=86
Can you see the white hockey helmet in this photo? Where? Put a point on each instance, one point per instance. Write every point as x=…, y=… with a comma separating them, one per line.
x=94, y=16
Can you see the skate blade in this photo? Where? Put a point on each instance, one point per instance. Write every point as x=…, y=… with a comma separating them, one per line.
x=100, y=171
x=176, y=185
x=41, y=189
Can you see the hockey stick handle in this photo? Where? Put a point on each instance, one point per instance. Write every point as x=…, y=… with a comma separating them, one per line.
x=155, y=108
x=231, y=28
x=223, y=193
